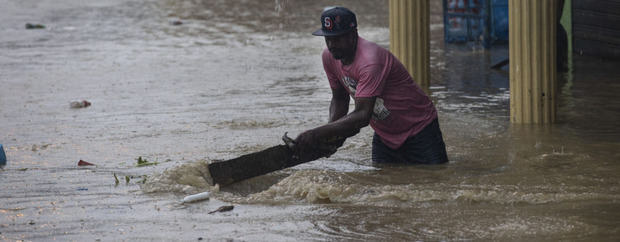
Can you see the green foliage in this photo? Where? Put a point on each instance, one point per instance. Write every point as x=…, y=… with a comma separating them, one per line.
x=116, y=180
x=144, y=162
x=34, y=26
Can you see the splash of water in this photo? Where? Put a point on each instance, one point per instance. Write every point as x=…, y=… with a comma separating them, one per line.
x=279, y=6
x=312, y=186
x=187, y=178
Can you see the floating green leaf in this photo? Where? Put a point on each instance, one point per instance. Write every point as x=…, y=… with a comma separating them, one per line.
x=116, y=180
x=144, y=162
x=34, y=26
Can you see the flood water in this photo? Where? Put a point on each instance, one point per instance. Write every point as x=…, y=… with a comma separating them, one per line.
x=230, y=80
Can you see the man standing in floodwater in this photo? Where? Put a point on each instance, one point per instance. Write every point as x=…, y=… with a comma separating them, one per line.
x=385, y=95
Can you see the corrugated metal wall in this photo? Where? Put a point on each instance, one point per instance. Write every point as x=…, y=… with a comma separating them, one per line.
x=596, y=28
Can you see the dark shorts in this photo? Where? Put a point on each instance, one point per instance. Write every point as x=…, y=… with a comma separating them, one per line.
x=426, y=147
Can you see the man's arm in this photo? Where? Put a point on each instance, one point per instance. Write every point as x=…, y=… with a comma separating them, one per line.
x=339, y=106
x=346, y=126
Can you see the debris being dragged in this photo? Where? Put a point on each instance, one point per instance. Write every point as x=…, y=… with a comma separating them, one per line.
x=143, y=162
x=34, y=26
x=196, y=197
x=84, y=163
x=223, y=209
x=79, y=104
x=2, y=156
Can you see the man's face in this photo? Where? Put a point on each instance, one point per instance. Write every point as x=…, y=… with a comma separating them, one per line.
x=341, y=46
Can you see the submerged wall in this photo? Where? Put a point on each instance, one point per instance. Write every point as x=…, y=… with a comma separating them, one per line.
x=596, y=28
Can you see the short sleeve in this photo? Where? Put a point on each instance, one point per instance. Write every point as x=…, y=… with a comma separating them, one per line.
x=371, y=81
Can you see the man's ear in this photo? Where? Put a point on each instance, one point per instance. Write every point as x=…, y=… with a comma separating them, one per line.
x=353, y=35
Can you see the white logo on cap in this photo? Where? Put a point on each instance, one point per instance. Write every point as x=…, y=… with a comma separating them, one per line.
x=328, y=23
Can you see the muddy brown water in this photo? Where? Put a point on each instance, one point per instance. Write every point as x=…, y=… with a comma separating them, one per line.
x=232, y=79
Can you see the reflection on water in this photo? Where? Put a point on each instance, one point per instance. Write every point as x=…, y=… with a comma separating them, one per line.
x=230, y=80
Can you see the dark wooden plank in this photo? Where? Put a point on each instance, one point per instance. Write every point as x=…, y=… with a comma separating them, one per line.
x=598, y=34
x=250, y=165
x=270, y=160
x=596, y=28
x=600, y=6
x=259, y=163
x=583, y=18
x=595, y=48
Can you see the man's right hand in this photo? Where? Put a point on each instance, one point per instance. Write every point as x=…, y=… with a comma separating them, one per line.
x=307, y=148
x=326, y=149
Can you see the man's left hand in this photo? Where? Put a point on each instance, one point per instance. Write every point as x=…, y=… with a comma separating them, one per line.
x=309, y=146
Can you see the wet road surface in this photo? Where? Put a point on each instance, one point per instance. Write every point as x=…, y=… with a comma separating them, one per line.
x=231, y=79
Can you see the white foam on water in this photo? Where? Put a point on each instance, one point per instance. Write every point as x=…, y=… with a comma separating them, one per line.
x=532, y=226
x=188, y=178
x=319, y=186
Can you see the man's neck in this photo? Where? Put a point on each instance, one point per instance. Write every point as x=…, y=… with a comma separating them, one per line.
x=349, y=59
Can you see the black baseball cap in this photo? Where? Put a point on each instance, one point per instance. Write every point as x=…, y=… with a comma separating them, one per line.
x=336, y=21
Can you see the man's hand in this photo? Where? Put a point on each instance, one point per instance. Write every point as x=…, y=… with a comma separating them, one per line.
x=305, y=145
x=309, y=147
x=306, y=139
x=330, y=147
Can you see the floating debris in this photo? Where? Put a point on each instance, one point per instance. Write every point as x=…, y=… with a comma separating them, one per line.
x=127, y=179
x=34, y=26
x=143, y=162
x=196, y=197
x=2, y=156
x=223, y=209
x=79, y=104
x=176, y=22
x=116, y=180
x=84, y=163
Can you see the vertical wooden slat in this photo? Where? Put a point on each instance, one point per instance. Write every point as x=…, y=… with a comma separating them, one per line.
x=403, y=41
x=409, y=37
x=513, y=10
x=536, y=72
x=552, y=98
x=545, y=38
x=532, y=36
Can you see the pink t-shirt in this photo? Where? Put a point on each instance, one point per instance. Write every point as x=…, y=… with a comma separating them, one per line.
x=401, y=109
